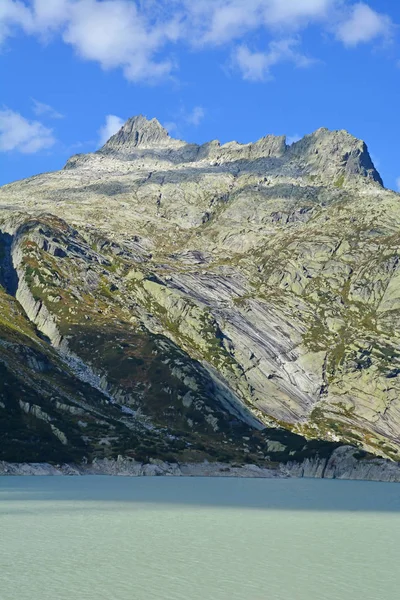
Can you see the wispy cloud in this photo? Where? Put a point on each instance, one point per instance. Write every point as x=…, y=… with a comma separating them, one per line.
x=222, y=21
x=41, y=109
x=111, y=126
x=256, y=66
x=184, y=118
x=21, y=135
x=171, y=127
x=195, y=116
x=364, y=25
x=398, y=184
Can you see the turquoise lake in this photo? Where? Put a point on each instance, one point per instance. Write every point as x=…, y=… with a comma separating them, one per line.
x=164, y=538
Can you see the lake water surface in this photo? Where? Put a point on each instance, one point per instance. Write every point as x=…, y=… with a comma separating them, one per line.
x=161, y=538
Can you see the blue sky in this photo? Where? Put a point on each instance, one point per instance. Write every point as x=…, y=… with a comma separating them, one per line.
x=71, y=71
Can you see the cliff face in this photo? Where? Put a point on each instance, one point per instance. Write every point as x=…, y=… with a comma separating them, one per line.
x=215, y=300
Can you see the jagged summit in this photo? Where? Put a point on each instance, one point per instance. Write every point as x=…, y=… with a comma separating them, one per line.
x=139, y=132
x=329, y=157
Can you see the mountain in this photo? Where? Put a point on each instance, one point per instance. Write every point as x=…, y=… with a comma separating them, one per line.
x=235, y=302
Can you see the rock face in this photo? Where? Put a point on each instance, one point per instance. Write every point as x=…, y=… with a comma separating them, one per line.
x=235, y=302
x=139, y=133
x=342, y=464
x=337, y=154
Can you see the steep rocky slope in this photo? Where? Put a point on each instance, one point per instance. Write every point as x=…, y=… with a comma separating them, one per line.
x=163, y=299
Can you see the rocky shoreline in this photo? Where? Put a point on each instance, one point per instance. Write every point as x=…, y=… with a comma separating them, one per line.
x=342, y=464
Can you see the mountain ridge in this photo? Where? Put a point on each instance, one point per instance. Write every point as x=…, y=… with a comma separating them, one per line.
x=139, y=134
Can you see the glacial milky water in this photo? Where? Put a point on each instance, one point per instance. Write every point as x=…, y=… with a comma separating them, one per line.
x=114, y=538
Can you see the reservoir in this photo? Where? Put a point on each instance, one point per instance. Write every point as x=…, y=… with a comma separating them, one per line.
x=172, y=538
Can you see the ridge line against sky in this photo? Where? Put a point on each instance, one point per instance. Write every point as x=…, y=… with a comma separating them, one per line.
x=199, y=67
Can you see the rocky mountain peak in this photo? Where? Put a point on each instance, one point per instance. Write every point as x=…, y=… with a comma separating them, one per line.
x=335, y=154
x=139, y=132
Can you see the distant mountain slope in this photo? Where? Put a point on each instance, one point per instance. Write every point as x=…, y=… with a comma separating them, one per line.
x=163, y=299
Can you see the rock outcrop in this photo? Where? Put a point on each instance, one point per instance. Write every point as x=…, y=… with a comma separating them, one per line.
x=344, y=463
x=139, y=133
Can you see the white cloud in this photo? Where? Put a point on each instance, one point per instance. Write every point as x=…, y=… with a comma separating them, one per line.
x=136, y=36
x=111, y=126
x=115, y=34
x=256, y=66
x=51, y=14
x=39, y=108
x=253, y=65
x=398, y=183
x=196, y=116
x=296, y=13
x=364, y=25
x=21, y=135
